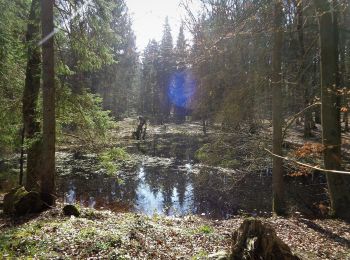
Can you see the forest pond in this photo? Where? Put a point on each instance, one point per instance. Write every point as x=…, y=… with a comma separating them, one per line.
x=149, y=190
x=164, y=178
x=170, y=184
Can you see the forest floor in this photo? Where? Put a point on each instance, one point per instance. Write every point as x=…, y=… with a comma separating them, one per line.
x=106, y=235
x=103, y=234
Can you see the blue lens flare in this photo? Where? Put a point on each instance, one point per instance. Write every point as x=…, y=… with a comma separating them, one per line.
x=181, y=88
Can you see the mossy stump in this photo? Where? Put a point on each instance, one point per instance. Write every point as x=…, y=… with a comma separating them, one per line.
x=255, y=240
x=71, y=210
x=19, y=202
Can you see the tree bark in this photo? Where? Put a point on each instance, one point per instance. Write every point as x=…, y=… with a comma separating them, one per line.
x=49, y=124
x=277, y=170
x=338, y=185
x=30, y=98
x=301, y=74
x=342, y=67
x=315, y=86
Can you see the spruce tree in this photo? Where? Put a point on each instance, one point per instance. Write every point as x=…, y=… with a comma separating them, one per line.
x=167, y=65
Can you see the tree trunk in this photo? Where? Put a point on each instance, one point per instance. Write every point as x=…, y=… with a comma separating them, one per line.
x=317, y=115
x=347, y=71
x=315, y=87
x=338, y=185
x=301, y=74
x=21, y=160
x=277, y=170
x=30, y=98
x=346, y=119
x=48, y=173
x=342, y=67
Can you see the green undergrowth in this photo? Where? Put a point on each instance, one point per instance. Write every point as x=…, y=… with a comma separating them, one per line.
x=218, y=153
x=112, y=159
x=205, y=229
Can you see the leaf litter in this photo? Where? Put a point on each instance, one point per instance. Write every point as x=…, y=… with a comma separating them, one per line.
x=108, y=235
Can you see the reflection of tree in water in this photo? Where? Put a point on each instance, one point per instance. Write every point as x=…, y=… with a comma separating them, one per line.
x=101, y=192
x=152, y=176
x=181, y=188
x=128, y=190
x=167, y=196
x=166, y=180
x=164, y=187
x=212, y=191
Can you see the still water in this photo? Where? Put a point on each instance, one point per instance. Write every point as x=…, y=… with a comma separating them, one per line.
x=166, y=191
x=165, y=187
x=165, y=179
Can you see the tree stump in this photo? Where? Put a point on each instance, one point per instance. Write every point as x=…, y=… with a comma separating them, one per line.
x=19, y=202
x=140, y=132
x=71, y=210
x=255, y=241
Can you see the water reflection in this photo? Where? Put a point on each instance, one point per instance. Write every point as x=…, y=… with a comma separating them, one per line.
x=174, y=189
x=151, y=190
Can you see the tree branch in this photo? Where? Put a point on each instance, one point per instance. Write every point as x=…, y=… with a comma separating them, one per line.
x=307, y=165
x=290, y=122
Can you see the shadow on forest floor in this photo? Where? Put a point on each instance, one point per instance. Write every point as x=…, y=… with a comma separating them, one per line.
x=327, y=233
